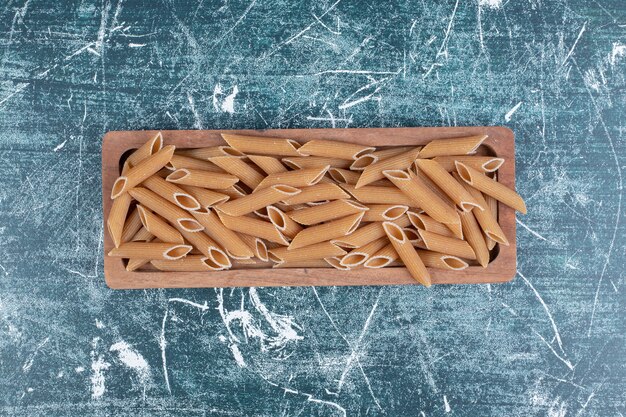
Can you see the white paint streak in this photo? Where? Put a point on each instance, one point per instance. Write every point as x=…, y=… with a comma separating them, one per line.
x=618, y=52
x=444, y=45
x=19, y=89
x=60, y=146
x=224, y=104
x=203, y=307
x=531, y=231
x=237, y=355
x=582, y=30
x=491, y=4
x=136, y=45
x=162, y=345
x=31, y=358
x=507, y=117
x=132, y=359
x=446, y=405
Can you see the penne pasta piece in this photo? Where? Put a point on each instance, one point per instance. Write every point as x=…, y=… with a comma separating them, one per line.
x=491, y=187
x=486, y=219
x=492, y=203
x=318, y=192
x=413, y=236
x=457, y=193
x=253, y=227
x=368, y=159
x=480, y=163
x=187, y=162
x=447, y=245
x=262, y=145
x=334, y=149
x=142, y=235
x=358, y=256
x=150, y=250
x=283, y=222
x=262, y=213
x=207, y=247
x=335, y=262
x=143, y=170
x=204, y=196
x=132, y=226
x=325, y=212
x=441, y=260
x=425, y=222
x=235, y=192
x=268, y=164
x=149, y=148
x=172, y=193
x=384, y=212
x=453, y=146
x=301, y=162
x=382, y=258
x=475, y=237
x=344, y=176
x=204, y=179
x=249, y=203
x=182, y=220
x=378, y=195
x=224, y=237
x=117, y=218
x=210, y=152
x=326, y=231
x=158, y=227
x=367, y=234
x=363, y=161
x=240, y=169
x=407, y=253
x=298, y=178
x=433, y=187
x=374, y=172
x=424, y=198
x=318, y=251
x=257, y=245
x=190, y=263
x=311, y=263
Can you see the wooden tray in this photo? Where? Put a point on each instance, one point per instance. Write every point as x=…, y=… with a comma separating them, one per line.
x=501, y=142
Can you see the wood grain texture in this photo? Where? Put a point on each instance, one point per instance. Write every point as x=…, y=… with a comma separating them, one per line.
x=501, y=142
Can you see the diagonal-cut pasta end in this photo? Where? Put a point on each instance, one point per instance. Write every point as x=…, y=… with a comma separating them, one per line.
x=219, y=257
x=291, y=163
x=353, y=259
x=467, y=206
x=454, y=263
x=178, y=175
x=334, y=262
x=119, y=187
x=176, y=252
x=464, y=172
x=343, y=244
x=412, y=235
x=157, y=143
x=478, y=143
x=286, y=190
x=394, y=212
x=230, y=151
x=396, y=175
x=189, y=225
x=497, y=238
x=114, y=236
x=363, y=152
x=376, y=262
x=363, y=161
x=394, y=232
x=237, y=256
x=338, y=176
x=493, y=164
x=186, y=201
x=317, y=178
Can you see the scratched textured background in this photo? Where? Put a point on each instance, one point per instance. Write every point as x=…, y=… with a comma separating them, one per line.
x=549, y=343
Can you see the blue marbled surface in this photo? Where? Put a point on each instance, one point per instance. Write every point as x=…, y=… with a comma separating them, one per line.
x=550, y=343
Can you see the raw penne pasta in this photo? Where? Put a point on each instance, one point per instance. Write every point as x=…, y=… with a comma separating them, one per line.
x=335, y=262
x=172, y=193
x=179, y=218
x=441, y=260
x=382, y=258
x=358, y=256
x=143, y=170
x=334, y=149
x=190, y=263
x=211, y=151
x=368, y=159
x=268, y=164
x=204, y=179
x=235, y=192
x=475, y=237
x=326, y=231
x=253, y=227
x=262, y=145
x=298, y=178
x=318, y=192
x=480, y=163
x=457, y=193
x=453, y=146
x=325, y=212
x=425, y=179
x=117, y=218
x=262, y=213
x=240, y=169
x=159, y=227
x=150, y=250
x=413, y=236
x=407, y=253
x=317, y=251
x=301, y=162
x=187, y=162
x=149, y=148
x=491, y=187
x=424, y=198
x=375, y=171
x=492, y=203
x=311, y=263
x=204, y=196
x=207, y=247
x=225, y=237
x=363, y=161
x=378, y=195
x=142, y=235
x=425, y=222
x=344, y=176
x=283, y=222
x=132, y=225
x=366, y=234
x=263, y=198
x=447, y=245
x=384, y=212
x=257, y=245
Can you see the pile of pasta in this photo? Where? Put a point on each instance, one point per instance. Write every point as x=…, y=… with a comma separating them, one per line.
x=270, y=202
